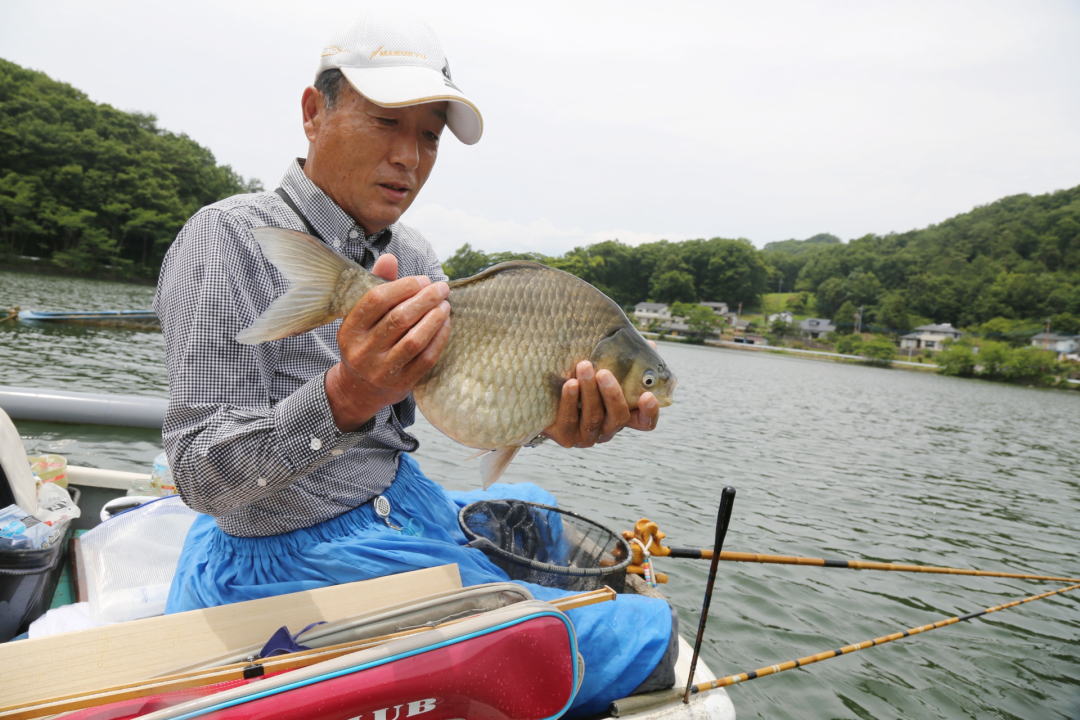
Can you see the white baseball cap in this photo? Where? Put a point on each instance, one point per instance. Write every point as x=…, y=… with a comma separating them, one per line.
x=396, y=61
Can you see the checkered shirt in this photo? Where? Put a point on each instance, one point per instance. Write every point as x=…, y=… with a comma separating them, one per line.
x=248, y=429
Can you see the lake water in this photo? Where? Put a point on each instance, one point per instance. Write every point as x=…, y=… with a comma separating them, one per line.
x=837, y=461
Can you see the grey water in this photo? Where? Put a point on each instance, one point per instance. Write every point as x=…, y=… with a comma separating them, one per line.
x=828, y=460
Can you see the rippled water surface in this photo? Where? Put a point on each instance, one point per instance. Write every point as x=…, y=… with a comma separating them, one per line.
x=836, y=461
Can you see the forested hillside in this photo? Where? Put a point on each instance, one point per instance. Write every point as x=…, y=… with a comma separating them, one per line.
x=90, y=188
x=1015, y=259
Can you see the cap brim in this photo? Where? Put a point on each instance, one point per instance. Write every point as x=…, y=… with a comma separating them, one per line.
x=404, y=86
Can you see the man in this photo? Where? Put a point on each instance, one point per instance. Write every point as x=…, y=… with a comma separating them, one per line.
x=284, y=445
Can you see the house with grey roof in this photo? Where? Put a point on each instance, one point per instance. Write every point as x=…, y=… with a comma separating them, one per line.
x=1061, y=344
x=648, y=312
x=720, y=308
x=658, y=316
x=816, y=327
x=929, y=337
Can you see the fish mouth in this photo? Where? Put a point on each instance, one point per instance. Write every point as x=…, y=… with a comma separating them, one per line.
x=669, y=392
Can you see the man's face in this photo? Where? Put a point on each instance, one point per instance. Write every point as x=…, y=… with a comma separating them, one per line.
x=371, y=160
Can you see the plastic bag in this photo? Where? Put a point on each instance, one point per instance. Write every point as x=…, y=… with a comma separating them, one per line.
x=20, y=531
x=55, y=505
x=131, y=558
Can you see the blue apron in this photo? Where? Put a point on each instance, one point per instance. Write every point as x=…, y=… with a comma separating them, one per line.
x=621, y=641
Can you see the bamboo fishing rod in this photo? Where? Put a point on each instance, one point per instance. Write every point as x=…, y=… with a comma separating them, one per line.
x=244, y=670
x=706, y=554
x=638, y=703
x=647, y=537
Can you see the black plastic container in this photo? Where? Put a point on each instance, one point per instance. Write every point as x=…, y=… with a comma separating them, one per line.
x=27, y=581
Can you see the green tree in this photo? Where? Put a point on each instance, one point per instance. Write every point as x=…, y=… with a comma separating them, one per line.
x=847, y=344
x=844, y=319
x=1031, y=365
x=780, y=328
x=91, y=188
x=799, y=303
x=863, y=288
x=956, y=359
x=991, y=359
x=735, y=273
x=1065, y=323
x=892, y=313
x=878, y=350
x=671, y=286
x=465, y=262
x=700, y=319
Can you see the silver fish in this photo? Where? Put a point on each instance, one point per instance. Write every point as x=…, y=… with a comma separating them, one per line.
x=518, y=330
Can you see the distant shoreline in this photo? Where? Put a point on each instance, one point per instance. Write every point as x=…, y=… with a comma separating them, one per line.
x=41, y=266
x=825, y=356
x=810, y=354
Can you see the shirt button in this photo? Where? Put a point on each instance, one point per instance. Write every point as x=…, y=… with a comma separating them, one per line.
x=353, y=234
x=261, y=482
x=315, y=444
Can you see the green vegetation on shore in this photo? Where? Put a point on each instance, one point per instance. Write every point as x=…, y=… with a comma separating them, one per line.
x=90, y=189
x=1007, y=267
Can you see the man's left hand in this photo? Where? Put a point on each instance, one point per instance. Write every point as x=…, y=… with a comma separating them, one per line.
x=592, y=409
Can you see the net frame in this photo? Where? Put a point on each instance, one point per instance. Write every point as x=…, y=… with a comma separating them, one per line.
x=585, y=540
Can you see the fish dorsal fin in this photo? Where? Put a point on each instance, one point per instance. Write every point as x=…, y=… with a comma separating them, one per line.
x=525, y=265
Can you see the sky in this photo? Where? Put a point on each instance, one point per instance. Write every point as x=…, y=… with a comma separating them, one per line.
x=635, y=121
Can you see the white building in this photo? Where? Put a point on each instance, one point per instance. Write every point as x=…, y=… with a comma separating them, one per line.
x=659, y=315
x=719, y=308
x=816, y=327
x=1061, y=344
x=648, y=312
x=929, y=337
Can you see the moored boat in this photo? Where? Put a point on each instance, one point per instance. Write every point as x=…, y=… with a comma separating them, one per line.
x=369, y=681
x=88, y=316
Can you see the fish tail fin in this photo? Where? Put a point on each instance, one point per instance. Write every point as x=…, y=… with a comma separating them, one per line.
x=496, y=462
x=313, y=270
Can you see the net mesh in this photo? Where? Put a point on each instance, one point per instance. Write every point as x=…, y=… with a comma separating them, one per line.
x=545, y=545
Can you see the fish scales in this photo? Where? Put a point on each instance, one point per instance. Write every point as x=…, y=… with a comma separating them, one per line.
x=517, y=331
x=516, y=334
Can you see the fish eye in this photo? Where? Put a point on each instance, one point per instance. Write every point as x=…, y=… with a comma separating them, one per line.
x=649, y=378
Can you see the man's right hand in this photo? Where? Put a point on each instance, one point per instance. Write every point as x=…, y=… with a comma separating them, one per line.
x=388, y=341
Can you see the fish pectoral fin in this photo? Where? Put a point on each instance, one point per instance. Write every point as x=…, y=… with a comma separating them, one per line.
x=496, y=462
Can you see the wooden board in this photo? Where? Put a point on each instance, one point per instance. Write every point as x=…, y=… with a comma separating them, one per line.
x=132, y=651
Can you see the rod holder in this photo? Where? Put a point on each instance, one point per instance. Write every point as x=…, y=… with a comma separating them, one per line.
x=723, y=518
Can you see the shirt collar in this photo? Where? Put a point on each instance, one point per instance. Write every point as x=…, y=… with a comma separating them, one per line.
x=335, y=225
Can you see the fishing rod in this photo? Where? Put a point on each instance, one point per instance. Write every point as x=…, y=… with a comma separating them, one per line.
x=648, y=541
x=639, y=703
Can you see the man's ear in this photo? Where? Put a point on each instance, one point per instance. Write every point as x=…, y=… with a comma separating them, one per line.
x=312, y=107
